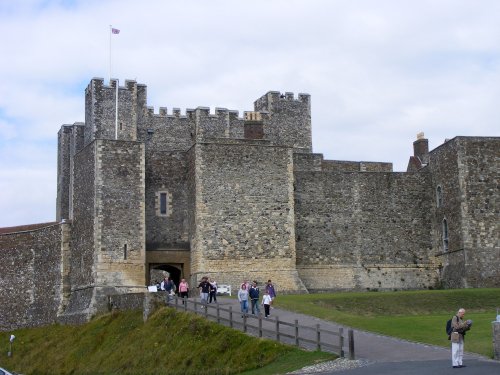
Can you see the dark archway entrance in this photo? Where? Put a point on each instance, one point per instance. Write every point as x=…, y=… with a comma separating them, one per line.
x=156, y=274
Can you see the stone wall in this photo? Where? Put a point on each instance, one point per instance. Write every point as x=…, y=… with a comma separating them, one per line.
x=100, y=111
x=120, y=215
x=82, y=242
x=243, y=215
x=496, y=340
x=467, y=170
x=166, y=172
x=288, y=120
x=363, y=230
x=30, y=277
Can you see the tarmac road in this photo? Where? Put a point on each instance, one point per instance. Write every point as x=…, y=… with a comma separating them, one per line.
x=389, y=355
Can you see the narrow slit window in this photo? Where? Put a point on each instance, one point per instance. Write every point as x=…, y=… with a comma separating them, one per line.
x=439, y=196
x=163, y=203
x=125, y=252
x=445, y=235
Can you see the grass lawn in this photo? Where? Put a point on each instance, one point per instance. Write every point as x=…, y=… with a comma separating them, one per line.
x=413, y=315
x=170, y=342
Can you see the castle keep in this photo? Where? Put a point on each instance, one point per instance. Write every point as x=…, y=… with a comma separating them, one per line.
x=229, y=197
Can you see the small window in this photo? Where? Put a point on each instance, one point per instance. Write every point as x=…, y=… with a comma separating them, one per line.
x=445, y=235
x=439, y=196
x=125, y=252
x=163, y=203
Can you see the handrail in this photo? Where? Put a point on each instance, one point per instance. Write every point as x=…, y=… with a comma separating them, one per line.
x=272, y=327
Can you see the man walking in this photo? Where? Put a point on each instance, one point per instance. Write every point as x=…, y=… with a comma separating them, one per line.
x=254, y=297
x=204, y=291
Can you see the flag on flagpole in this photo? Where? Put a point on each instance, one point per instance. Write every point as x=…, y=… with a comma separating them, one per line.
x=115, y=31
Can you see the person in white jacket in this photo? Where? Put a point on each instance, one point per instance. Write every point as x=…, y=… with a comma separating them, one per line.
x=266, y=301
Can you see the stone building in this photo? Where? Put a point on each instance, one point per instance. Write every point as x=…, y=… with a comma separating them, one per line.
x=229, y=197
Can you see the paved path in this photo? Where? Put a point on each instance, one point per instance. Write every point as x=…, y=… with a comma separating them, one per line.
x=389, y=355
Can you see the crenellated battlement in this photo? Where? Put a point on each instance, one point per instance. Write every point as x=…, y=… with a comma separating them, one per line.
x=271, y=98
x=99, y=82
x=163, y=112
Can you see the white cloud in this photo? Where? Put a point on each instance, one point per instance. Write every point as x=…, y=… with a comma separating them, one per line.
x=378, y=72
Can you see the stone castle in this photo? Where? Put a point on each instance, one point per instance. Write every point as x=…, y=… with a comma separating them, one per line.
x=233, y=198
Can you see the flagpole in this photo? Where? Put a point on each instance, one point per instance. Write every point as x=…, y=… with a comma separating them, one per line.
x=110, y=32
x=116, y=111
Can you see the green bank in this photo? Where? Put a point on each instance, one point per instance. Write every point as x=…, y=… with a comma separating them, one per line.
x=170, y=342
x=413, y=315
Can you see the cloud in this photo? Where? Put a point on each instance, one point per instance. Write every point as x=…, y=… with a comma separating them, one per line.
x=378, y=72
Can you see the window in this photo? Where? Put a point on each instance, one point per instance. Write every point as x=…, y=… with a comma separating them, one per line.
x=445, y=235
x=163, y=203
x=125, y=252
x=439, y=196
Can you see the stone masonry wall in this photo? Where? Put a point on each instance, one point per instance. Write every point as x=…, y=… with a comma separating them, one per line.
x=82, y=243
x=288, y=122
x=167, y=172
x=120, y=214
x=480, y=171
x=30, y=277
x=467, y=170
x=443, y=168
x=363, y=230
x=496, y=340
x=244, y=216
x=100, y=111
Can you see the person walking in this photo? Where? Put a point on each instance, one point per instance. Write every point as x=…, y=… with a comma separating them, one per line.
x=266, y=302
x=271, y=290
x=457, y=338
x=243, y=298
x=183, y=289
x=254, y=297
x=204, y=291
x=213, y=291
x=169, y=287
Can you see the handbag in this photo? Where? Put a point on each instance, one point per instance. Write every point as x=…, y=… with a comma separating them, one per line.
x=455, y=337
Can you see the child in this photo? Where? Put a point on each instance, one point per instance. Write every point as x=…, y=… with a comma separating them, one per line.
x=266, y=301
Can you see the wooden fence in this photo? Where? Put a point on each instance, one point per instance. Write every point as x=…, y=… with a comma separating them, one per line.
x=307, y=337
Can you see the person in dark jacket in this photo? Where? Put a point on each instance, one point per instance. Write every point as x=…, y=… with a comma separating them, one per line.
x=254, y=297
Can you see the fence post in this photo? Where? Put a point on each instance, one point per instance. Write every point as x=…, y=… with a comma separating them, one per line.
x=185, y=303
x=260, y=325
x=245, y=323
x=296, y=332
x=205, y=310
x=350, y=335
x=176, y=302
x=278, y=329
x=231, y=316
x=341, y=342
x=318, y=338
x=218, y=313
x=195, y=307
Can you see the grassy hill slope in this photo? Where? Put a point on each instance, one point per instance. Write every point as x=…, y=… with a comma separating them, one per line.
x=170, y=342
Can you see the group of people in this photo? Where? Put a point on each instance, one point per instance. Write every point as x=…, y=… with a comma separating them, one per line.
x=168, y=285
x=208, y=291
x=251, y=292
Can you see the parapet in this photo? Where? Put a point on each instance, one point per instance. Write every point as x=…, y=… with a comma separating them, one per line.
x=265, y=102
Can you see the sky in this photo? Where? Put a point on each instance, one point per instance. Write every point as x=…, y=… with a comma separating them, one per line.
x=378, y=73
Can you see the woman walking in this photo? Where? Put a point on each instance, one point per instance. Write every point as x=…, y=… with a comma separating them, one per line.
x=243, y=298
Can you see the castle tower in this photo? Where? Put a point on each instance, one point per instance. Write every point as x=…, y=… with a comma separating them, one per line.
x=106, y=192
x=289, y=121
